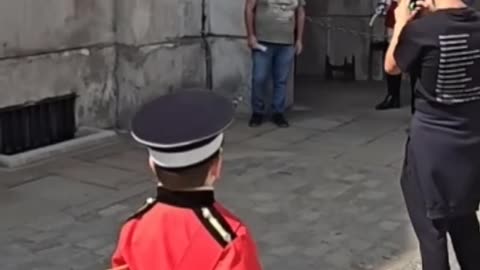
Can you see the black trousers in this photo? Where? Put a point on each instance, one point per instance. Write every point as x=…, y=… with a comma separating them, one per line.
x=394, y=83
x=413, y=82
x=432, y=234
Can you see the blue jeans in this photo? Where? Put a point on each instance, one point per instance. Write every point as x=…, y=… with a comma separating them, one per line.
x=276, y=62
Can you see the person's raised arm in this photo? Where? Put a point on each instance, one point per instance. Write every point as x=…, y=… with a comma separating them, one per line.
x=400, y=40
x=250, y=6
x=391, y=66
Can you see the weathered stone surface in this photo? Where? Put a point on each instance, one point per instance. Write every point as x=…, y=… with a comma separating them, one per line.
x=105, y=176
x=232, y=72
x=28, y=26
x=58, y=189
x=88, y=73
x=141, y=22
x=231, y=69
x=340, y=7
x=148, y=72
x=305, y=209
x=20, y=207
x=323, y=36
x=225, y=17
x=312, y=61
x=339, y=38
x=339, y=42
x=340, y=29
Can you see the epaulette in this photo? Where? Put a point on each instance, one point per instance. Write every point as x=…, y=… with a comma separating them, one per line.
x=149, y=204
x=216, y=225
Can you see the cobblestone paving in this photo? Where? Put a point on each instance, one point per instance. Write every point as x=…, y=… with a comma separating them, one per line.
x=323, y=194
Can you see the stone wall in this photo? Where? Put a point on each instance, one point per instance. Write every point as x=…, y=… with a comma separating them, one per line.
x=340, y=29
x=230, y=56
x=160, y=50
x=51, y=48
x=118, y=54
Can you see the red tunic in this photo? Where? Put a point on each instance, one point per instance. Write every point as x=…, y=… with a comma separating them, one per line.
x=390, y=16
x=178, y=233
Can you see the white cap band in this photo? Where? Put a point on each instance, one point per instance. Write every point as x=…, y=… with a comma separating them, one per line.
x=188, y=158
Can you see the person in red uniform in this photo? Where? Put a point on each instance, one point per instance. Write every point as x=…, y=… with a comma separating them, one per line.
x=392, y=99
x=394, y=82
x=184, y=227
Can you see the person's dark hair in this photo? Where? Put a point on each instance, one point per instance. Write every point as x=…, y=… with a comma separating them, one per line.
x=186, y=177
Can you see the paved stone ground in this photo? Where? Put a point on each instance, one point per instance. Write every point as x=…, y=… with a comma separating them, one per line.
x=323, y=194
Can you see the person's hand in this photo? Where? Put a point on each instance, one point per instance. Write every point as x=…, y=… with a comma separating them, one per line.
x=298, y=47
x=426, y=6
x=252, y=42
x=403, y=14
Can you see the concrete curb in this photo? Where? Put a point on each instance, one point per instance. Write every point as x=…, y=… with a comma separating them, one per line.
x=93, y=137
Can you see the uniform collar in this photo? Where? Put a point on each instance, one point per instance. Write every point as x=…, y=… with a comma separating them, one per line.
x=187, y=199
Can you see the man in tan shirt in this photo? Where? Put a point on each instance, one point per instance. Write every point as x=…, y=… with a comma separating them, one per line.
x=275, y=33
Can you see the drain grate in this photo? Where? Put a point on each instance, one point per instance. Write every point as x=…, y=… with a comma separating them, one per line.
x=43, y=123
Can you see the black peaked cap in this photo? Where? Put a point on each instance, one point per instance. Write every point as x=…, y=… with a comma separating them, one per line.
x=182, y=121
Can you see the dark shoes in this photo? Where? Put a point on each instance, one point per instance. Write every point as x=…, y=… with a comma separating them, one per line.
x=390, y=102
x=278, y=119
x=256, y=120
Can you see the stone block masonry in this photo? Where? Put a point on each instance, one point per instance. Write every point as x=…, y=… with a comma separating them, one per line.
x=146, y=22
x=340, y=29
x=117, y=55
x=86, y=72
x=231, y=66
x=30, y=27
x=226, y=18
x=146, y=72
x=53, y=48
x=161, y=48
